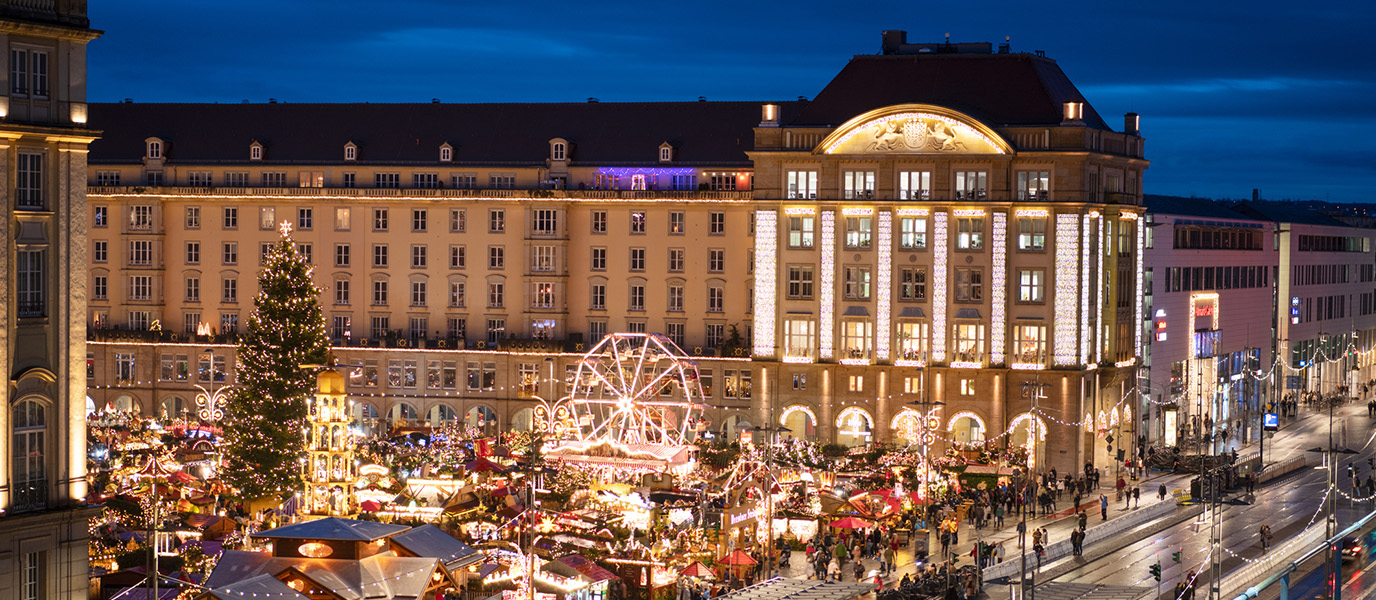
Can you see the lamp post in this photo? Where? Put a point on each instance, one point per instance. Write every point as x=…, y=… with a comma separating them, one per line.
x=769, y=490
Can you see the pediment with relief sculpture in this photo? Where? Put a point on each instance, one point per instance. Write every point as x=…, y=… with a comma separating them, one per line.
x=914, y=129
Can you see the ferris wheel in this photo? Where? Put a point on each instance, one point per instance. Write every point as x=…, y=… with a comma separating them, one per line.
x=636, y=388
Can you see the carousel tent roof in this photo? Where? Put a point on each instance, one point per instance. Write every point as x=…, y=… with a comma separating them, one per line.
x=333, y=528
x=800, y=589
x=262, y=585
x=429, y=541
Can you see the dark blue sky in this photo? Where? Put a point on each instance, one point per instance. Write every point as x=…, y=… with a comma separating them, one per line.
x=1233, y=95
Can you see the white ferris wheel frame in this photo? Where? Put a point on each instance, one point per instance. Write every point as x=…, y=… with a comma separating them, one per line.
x=613, y=400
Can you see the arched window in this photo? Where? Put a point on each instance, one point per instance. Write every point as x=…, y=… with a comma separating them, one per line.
x=154, y=148
x=255, y=151
x=30, y=475
x=558, y=151
x=446, y=153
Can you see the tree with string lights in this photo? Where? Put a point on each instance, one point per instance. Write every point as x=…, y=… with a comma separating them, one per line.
x=267, y=411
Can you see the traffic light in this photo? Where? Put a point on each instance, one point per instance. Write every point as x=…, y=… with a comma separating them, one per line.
x=1156, y=571
x=1175, y=556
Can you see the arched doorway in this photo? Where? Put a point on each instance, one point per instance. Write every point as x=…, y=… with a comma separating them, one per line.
x=402, y=413
x=126, y=403
x=854, y=427
x=800, y=422
x=733, y=425
x=483, y=419
x=523, y=420
x=171, y=407
x=365, y=419
x=966, y=429
x=441, y=414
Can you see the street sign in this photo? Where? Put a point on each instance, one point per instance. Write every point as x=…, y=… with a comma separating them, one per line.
x=1270, y=421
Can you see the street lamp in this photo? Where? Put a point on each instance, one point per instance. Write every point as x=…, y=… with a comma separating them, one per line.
x=769, y=489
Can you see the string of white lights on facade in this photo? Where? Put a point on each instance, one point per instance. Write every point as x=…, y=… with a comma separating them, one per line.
x=1091, y=288
x=1141, y=234
x=826, y=327
x=883, y=295
x=766, y=279
x=999, y=293
x=1067, y=288
x=939, y=286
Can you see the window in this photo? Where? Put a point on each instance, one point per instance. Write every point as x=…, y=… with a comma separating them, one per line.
x=638, y=222
x=140, y=218
x=683, y=182
x=858, y=230
x=857, y=283
x=914, y=185
x=912, y=233
x=677, y=333
x=19, y=81
x=381, y=325
x=311, y=179
x=971, y=185
x=264, y=250
x=676, y=260
x=141, y=288
x=193, y=289
x=341, y=292
x=457, y=292
x=543, y=295
x=716, y=299
x=676, y=223
x=100, y=287
x=912, y=341
x=637, y=259
x=267, y=218
x=100, y=216
x=542, y=259
x=855, y=383
x=231, y=217
x=597, y=330
x=230, y=253
x=140, y=253
x=380, y=219
x=107, y=177
x=599, y=221
x=637, y=297
x=380, y=293
x=544, y=222
x=193, y=217
x=458, y=328
x=716, y=334
x=342, y=327
x=716, y=260
x=236, y=179
x=598, y=299
x=350, y=152
x=496, y=332
x=1034, y=185
x=274, y=179
x=802, y=184
x=341, y=255
x=858, y=184
x=387, y=180
x=501, y=181
x=124, y=367
x=153, y=178
x=496, y=294
x=969, y=284
x=800, y=232
x=1029, y=344
x=231, y=290
x=496, y=220
x=970, y=233
x=1031, y=285
x=484, y=375
x=856, y=337
x=716, y=223
x=418, y=257
x=1032, y=234
x=798, y=338
x=229, y=324
x=428, y=181
x=305, y=218
x=100, y=251
x=722, y=182
x=417, y=293
x=496, y=257
x=379, y=256
x=458, y=257
x=350, y=180
x=800, y=280
x=969, y=342
x=912, y=284
x=29, y=283
x=458, y=220
x=446, y=153
x=675, y=297
x=465, y=181
x=30, y=487
x=599, y=259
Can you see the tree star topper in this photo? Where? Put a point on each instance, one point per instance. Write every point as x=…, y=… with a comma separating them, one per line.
x=285, y=228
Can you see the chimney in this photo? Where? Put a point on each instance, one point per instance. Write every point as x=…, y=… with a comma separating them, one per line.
x=1132, y=123
x=1256, y=194
x=769, y=115
x=892, y=40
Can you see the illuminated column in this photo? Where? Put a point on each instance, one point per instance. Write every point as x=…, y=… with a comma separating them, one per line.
x=329, y=469
x=1141, y=232
x=826, y=326
x=1067, y=287
x=826, y=400
x=766, y=280
x=939, y=277
x=999, y=293
x=1090, y=292
x=882, y=430
x=884, y=293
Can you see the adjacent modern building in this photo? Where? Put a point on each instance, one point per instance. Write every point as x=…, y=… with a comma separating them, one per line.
x=43, y=146
x=944, y=238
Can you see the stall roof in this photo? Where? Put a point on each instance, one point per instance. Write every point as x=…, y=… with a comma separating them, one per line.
x=800, y=589
x=588, y=568
x=430, y=542
x=334, y=529
x=262, y=585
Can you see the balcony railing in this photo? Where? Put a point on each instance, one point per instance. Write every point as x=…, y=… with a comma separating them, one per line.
x=29, y=495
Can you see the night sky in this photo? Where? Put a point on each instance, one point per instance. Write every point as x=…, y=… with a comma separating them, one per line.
x=1233, y=95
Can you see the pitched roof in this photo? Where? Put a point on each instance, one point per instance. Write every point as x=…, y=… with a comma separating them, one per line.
x=604, y=133
x=253, y=587
x=430, y=542
x=1286, y=212
x=333, y=528
x=998, y=89
x=378, y=576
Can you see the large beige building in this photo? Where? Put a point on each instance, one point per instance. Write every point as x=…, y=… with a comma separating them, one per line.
x=43, y=145
x=942, y=223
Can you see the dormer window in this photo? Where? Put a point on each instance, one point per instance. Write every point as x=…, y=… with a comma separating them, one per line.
x=666, y=153
x=255, y=151
x=350, y=151
x=446, y=153
x=154, y=148
x=558, y=151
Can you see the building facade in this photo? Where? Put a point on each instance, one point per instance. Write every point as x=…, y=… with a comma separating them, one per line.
x=43, y=115
x=972, y=241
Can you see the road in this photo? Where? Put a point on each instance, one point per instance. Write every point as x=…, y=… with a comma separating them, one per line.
x=1286, y=505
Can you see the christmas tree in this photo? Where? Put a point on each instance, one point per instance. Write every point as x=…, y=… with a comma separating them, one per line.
x=267, y=411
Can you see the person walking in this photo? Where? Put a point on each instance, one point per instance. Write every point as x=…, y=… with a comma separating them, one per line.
x=1136, y=496
x=1161, y=492
x=1265, y=535
x=1083, y=518
x=999, y=512
x=1103, y=506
